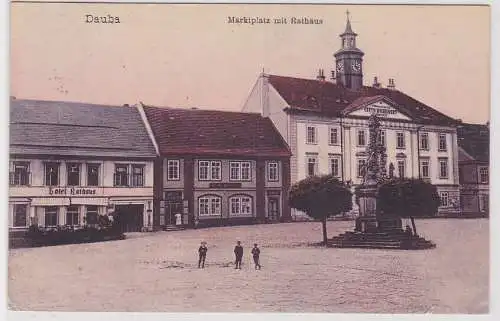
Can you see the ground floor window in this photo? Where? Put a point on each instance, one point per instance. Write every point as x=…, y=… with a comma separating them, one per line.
x=240, y=205
x=51, y=215
x=484, y=203
x=445, y=200
x=91, y=214
x=20, y=214
x=72, y=215
x=209, y=205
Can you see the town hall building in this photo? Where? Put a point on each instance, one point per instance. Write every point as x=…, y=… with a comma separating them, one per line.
x=325, y=124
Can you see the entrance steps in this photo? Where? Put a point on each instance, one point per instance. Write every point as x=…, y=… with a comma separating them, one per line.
x=388, y=239
x=173, y=228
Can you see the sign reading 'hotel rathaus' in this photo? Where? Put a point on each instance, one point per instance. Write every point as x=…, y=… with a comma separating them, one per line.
x=156, y=151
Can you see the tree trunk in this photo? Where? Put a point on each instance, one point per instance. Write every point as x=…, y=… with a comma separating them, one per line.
x=325, y=237
x=414, y=226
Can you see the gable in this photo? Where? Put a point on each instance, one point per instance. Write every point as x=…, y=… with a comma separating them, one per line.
x=382, y=107
x=463, y=156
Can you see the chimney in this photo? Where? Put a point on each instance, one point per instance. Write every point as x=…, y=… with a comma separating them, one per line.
x=321, y=75
x=391, y=84
x=333, y=75
x=376, y=84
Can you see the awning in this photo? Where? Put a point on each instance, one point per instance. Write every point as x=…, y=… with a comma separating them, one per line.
x=50, y=201
x=20, y=200
x=99, y=201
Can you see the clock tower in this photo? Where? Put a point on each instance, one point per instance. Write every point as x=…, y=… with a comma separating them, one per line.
x=349, y=60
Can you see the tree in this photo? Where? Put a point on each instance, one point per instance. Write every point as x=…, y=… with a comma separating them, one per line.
x=407, y=197
x=321, y=197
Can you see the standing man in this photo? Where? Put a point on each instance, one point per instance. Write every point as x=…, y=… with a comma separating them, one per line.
x=256, y=254
x=238, y=252
x=202, y=253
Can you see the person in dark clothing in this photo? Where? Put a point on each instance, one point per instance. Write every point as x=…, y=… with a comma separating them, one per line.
x=202, y=252
x=256, y=254
x=238, y=252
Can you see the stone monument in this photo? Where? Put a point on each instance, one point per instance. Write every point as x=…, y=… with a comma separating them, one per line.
x=373, y=229
x=375, y=172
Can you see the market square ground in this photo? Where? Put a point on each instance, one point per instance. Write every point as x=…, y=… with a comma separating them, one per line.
x=157, y=272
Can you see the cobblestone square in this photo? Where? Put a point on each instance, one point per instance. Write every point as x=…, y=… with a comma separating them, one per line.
x=157, y=272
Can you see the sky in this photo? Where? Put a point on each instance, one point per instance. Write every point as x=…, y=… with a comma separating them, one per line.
x=190, y=56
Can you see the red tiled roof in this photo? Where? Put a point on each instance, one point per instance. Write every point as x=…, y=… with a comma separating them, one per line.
x=330, y=99
x=210, y=132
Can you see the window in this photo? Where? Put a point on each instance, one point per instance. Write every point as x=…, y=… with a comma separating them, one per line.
x=173, y=170
x=334, y=136
x=91, y=216
x=272, y=171
x=335, y=167
x=240, y=205
x=21, y=174
x=137, y=175
x=361, y=138
x=20, y=215
x=73, y=174
x=442, y=142
x=361, y=167
x=215, y=170
x=93, y=174
x=245, y=171
x=424, y=141
x=209, y=170
x=239, y=171
x=401, y=168
x=312, y=166
x=444, y=199
x=443, y=168
x=484, y=204
x=424, y=168
x=121, y=175
x=51, y=216
x=209, y=205
x=484, y=175
x=51, y=174
x=381, y=138
x=73, y=215
x=400, y=140
x=311, y=135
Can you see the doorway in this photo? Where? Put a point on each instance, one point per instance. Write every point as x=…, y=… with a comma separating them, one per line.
x=273, y=208
x=130, y=217
x=173, y=205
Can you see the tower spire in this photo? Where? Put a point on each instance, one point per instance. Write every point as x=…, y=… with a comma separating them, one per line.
x=348, y=28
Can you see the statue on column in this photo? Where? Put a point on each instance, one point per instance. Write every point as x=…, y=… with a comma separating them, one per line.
x=375, y=165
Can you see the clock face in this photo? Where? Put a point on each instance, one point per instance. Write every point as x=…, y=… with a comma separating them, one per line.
x=356, y=66
x=340, y=67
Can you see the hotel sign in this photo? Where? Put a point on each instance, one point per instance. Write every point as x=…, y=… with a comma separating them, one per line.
x=71, y=191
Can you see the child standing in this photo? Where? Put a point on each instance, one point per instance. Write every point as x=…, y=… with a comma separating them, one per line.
x=202, y=252
x=256, y=255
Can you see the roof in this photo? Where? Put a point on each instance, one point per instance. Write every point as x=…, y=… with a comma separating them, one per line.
x=77, y=129
x=211, y=132
x=333, y=100
x=474, y=139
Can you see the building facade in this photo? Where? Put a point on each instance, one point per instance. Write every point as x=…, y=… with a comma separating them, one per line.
x=326, y=125
x=218, y=168
x=473, y=162
x=71, y=162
